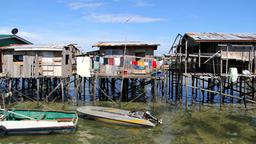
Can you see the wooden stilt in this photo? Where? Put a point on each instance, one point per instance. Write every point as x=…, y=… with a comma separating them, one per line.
x=62, y=91
x=94, y=90
x=186, y=85
x=84, y=88
x=37, y=91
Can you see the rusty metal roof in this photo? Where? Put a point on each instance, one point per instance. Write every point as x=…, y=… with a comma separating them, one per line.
x=123, y=43
x=219, y=37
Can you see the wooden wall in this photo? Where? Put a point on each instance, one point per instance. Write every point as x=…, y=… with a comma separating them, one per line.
x=40, y=63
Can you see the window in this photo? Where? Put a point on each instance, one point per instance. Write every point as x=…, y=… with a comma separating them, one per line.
x=67, y=59
x=66, y=48
x=139, y=55
x=113, y=52
x=17, y=58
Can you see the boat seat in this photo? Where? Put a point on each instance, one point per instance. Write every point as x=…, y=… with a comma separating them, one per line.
x=42, y=116
x=1, y=117
x=136, y=114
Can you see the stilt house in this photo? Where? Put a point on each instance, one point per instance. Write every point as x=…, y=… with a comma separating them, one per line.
x=216, y=52
x=20, y=58
x=116, y=58
x=38, y=60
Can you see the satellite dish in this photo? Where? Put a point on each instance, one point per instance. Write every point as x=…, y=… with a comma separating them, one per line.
x=15, y=31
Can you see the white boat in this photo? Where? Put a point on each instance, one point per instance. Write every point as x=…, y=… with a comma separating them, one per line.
x=36, y=121
x=118, y=116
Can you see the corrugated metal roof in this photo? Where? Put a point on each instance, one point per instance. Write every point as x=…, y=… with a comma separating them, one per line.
x=123, y=43
x=7, y=39
x=208, y=37
x=36, y=47
x=5, y=36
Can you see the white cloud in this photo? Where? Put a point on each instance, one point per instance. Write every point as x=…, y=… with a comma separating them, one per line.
x=119, y=18
x=80, y=5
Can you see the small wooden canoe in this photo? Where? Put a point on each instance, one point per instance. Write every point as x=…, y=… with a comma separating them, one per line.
x=116, y=116
x=17, y=121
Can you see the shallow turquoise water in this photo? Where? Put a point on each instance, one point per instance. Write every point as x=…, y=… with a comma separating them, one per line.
x=208, y=125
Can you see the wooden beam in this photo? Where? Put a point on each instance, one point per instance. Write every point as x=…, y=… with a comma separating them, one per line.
x=52, y=92
x=62, y=90
x=94, y=90
x=221, y=62
x=186, y=56
x=199, y=56
x=254, y=48
x=37, y=90
x=227, y=60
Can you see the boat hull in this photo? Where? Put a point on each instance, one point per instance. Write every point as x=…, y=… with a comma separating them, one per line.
x=113, y=116
x=37, y=122
x=35, y=127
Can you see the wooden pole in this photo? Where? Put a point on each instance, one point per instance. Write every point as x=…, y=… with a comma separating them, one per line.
x=169, y=85
x=250, y=64
x=232, y=91
x=221, y=96
x=113, y=82
x=62, y=91
x=221, y=62
x=37, y=91
x=94, y=90
x=84, y=88
x=203, y=86
x=186, y=56
x=155, y=91
x=217, y=92
x=186, y=84
x=254, y=56
x=193, y=90
x=196, y=90
x=240, y=88
x=227, y=59
x=172, y=85
x=121, y=93
x=199, y=55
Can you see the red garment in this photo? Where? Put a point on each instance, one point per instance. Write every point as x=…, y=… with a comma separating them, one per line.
x=111, y=61
x=154, y=64
x=134, y=62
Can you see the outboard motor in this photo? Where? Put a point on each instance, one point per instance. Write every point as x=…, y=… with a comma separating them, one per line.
x=149, y=116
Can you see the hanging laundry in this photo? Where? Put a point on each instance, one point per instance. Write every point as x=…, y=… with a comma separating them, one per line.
x=161, y=62
x=105, y=61
x=101, y=60
x=121, y=61
x=127, y=62
x=117, y=61
x=150, y=63
x=134, y=62
x=141, y=63
x=158, y=65
x=96, y=65
x=154, y=64
x=111, y=61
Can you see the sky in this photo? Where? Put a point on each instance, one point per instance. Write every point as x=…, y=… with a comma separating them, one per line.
x=86, y=22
